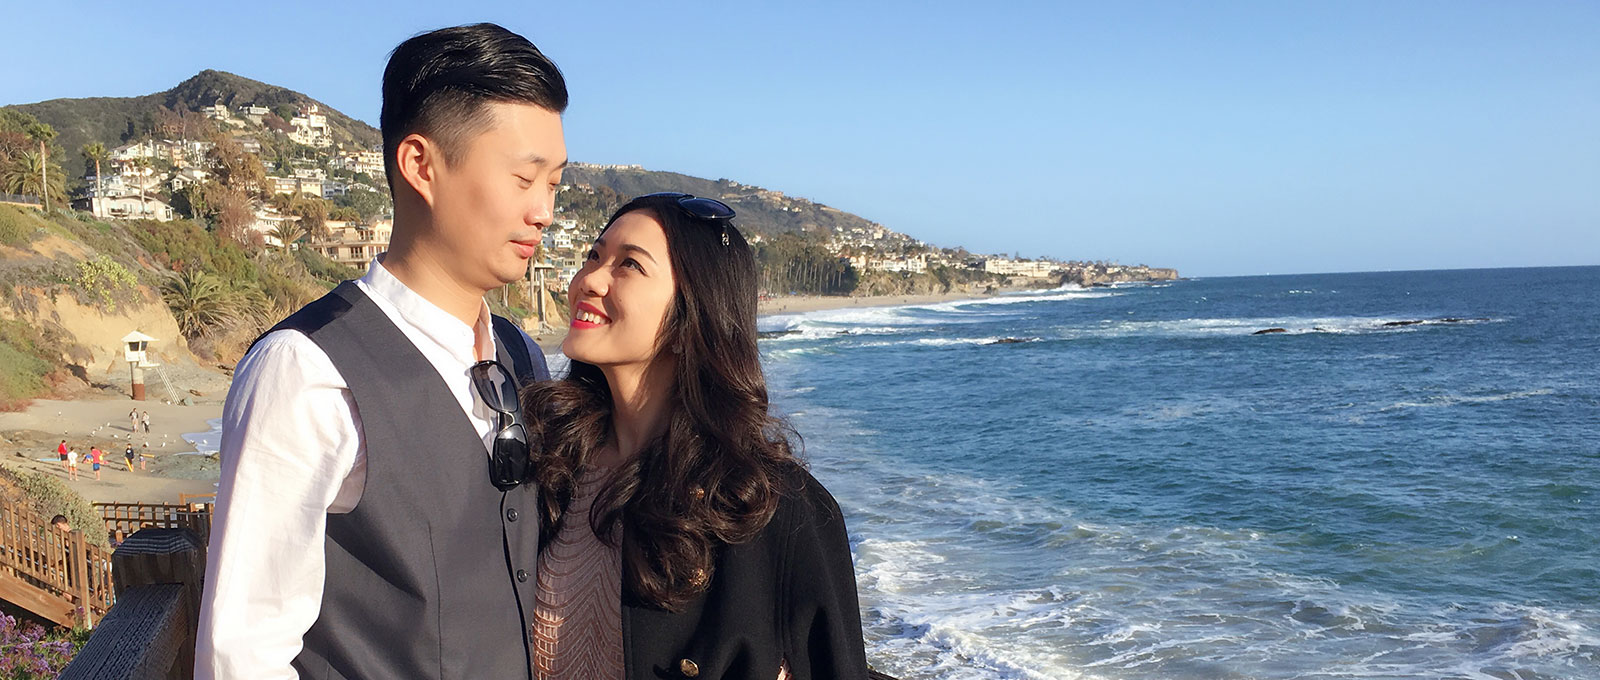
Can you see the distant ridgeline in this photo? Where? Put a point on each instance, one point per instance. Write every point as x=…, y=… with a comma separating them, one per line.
x=116, y=120
x=270, y=167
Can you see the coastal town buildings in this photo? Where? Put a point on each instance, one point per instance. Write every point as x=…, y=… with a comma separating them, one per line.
x=351, y=243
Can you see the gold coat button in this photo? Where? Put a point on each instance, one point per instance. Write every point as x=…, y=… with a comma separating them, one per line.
x=690, y=669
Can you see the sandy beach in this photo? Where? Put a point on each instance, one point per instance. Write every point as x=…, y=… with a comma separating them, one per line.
x=28, y=442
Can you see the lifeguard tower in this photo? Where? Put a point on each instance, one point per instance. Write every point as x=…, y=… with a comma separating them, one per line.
x=135, y=345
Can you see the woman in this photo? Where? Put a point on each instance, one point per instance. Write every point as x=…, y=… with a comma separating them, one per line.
x=680, y=537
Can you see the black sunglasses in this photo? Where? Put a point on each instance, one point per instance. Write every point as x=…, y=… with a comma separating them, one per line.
x=708, y=209
x=508, y=464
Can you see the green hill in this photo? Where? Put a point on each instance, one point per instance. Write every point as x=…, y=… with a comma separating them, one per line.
x=765, y=212
x=109, y=119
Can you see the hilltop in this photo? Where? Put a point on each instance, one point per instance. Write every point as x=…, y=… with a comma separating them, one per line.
x=115, y=120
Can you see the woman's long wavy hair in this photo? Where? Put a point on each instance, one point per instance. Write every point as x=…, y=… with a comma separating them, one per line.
x=716, y=473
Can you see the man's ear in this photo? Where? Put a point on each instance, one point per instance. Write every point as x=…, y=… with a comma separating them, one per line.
x=418, y=159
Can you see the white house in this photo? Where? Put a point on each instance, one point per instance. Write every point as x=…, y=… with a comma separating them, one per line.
x=130, y=208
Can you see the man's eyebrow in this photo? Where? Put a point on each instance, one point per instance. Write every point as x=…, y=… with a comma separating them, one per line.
x=536, y=159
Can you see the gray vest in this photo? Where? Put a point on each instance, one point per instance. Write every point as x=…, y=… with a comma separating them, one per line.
x=432, y=574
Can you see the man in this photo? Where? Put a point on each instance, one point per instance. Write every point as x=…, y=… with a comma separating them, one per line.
x=358, y=534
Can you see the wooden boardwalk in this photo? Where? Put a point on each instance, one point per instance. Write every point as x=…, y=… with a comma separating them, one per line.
x=49, y=572
x=54, y=574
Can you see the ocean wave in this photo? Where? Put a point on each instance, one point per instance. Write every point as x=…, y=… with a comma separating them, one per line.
x=1447, y=400
x=1209, y=327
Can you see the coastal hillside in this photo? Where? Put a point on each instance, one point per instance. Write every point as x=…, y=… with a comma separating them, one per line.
x=113, y=121
x=71, y=287
x=763, y=211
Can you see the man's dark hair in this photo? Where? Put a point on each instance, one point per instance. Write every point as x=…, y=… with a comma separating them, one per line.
x=436, y=84
x=58, y=519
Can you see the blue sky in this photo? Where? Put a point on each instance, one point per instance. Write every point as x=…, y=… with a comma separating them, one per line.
x=1220, y=138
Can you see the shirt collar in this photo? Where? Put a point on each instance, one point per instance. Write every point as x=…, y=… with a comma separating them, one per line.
x=467, y=344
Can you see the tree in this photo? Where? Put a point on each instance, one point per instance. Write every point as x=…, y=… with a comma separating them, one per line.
x=96, y=153
x=313, y=214
x=233, y=166
x=287, y=232
x=29, y=174
x=344, y=213
x=234, y=210
x=43, y=134
x=198, y=302
x=143, y=168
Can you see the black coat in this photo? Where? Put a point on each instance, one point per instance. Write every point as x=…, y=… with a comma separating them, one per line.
x=790, y=593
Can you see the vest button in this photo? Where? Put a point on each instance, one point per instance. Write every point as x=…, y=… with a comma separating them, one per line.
x=522, y=576
x=689, y=668
x=512, y=514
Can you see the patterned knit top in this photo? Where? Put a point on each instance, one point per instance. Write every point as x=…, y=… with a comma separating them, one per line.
x=577, y=624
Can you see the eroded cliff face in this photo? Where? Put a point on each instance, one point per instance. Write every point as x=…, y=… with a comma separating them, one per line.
x=95, y=334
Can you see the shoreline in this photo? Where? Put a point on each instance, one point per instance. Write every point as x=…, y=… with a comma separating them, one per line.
x=29, y=437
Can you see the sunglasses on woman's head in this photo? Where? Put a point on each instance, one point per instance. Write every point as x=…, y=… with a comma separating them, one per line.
x=708, y=209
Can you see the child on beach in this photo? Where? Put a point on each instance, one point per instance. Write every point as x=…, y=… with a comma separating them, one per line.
x=72, y=464
x=144, y=455
x=145, y=420
x=129, y=454
x=62, y=451
x=95, y=457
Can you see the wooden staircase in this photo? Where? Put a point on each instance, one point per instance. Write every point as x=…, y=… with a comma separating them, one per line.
x=55, y=575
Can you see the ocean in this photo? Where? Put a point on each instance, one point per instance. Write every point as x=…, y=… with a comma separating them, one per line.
x=1128, y=482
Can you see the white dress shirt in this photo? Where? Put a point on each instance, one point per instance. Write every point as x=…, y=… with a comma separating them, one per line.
x=292, y=451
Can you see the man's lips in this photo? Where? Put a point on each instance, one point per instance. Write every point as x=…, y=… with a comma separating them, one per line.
x=526, y=249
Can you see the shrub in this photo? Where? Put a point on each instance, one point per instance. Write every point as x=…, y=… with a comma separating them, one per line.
x=28, y=652
x=49, y=495
x=104, y=280
x=16, y=228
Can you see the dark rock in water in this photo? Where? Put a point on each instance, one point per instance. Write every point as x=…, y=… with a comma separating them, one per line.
x=1451, y=319
x=1396, y=324
x=845, y=332
x=1448, y=319
x=1098, y=284
x=1269, y=331
x=1318, y=329
x=1012, y=341
x=776, y=334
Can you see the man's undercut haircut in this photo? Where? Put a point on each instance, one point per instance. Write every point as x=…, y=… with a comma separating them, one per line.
x=437, y=85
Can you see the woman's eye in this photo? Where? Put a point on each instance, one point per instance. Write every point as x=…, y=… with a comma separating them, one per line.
x=630, y=262
x=592, y=256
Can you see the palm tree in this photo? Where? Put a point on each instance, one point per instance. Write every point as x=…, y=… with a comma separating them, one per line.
x=97, y=154
x=288, y=231
x=141, y=167
x=44, y=134
x=29, y=174
x=198, y=302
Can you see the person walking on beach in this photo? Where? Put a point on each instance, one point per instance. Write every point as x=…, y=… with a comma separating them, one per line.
x=129, y=454
x=95, y=458
x=144, y=419
x=61, y=451
x=371, y=520
x=133, y=420
x=72, y=464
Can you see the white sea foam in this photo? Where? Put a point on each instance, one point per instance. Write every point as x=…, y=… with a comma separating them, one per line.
x=1446, y=400
x=208, y=442
x=1209, y=327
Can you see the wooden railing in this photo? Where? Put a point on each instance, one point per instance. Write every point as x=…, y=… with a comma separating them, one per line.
x=150, y=633
x=123, y=519
x=54, y=574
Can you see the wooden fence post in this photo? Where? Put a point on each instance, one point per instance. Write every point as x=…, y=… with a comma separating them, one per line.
x=150, y=632
x=79, y=559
